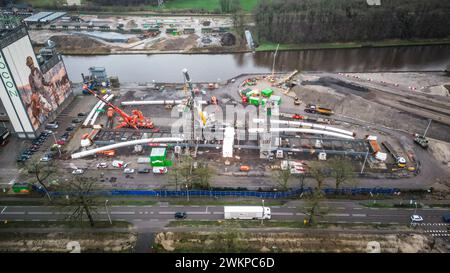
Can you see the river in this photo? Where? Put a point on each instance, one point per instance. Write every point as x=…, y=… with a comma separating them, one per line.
x=218, y=67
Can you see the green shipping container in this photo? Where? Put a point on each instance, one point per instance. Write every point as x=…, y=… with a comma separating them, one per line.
x=254, y=101
x=158, y=157
x=267, y=92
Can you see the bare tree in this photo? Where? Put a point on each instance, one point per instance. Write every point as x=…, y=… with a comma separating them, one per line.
x=43, y=172
x=319, y=172
x=80, y=200
x=203, y=175
x=341, y=171
x=282, y=178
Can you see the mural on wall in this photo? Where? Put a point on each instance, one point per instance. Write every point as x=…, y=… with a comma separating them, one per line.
x=59, y=85
x=40, y=94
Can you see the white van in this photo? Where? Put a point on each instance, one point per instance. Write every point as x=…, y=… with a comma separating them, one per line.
x=159, y=170
x=119, y=164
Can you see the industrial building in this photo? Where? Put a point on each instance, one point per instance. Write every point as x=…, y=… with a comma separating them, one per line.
x=33, y=89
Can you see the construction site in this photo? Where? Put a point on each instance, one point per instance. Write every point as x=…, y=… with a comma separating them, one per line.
x=245, y=129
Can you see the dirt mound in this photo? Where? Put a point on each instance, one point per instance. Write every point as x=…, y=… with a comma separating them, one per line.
x=440, y=151
x=72, y=43
x=228, y=39
x=176, y=43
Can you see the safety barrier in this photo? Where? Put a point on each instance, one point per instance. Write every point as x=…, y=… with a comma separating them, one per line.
x=257, y=194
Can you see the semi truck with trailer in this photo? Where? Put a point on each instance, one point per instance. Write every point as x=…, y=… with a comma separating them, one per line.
x=315, y=109
x=247, y=212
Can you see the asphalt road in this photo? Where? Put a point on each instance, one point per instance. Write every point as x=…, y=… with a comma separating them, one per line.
x=337, y=212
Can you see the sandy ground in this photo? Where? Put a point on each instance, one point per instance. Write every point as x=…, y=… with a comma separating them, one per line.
x=58, y=242
x=162, y=42
x=364, y=106
x=296, y=242
x=440, y=150
x=422, y=82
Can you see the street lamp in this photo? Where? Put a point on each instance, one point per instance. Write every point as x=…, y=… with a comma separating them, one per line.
x=107, y=211
x=262, y=218
x=187, y=192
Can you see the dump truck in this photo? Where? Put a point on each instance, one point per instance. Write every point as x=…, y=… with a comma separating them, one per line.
x=315, y=109
x=399, y=160
x=247, y=212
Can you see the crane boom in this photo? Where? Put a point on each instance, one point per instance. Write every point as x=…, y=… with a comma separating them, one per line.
x=135, y=121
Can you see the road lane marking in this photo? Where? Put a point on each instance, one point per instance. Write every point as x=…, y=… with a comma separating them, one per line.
x=14, y=212
x=218, y=212
x=288, y=207
x=357, y=208
x=338, y=214
x=374, y=208
x=340, y=208
x=39, y=212
x=3, y=210
x=35, y=220
x=341, y=222
x=359, y=215
x=166, y=212
x=198, y=212
x=122, y=212
x=178, y=206
x=195, y=206
x=358, y=222
x=282, y=213
x=377, y=223
x=299, y=213
x=393, y=223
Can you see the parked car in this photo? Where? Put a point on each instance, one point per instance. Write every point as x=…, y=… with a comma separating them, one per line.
x=52, y=125
x=102, y=165
x=416, y=218
x=128, y=170
x=61, y=142
x=180, y=215
x=78, y=171
x=22, y=158
x=65, y=136
x=49, y=132
x=81, y=114
x=143, y=170
x=46, y=158
x=446, y=218
x=76, y=120
x=70, y=128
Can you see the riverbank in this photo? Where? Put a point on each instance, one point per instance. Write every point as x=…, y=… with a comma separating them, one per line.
x=267, y=46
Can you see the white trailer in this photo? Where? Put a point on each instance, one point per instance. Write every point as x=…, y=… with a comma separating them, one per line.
x=246, y=212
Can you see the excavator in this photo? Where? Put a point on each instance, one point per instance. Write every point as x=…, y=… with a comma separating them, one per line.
x=136, y=120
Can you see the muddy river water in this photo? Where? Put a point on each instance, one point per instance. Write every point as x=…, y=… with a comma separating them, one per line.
x=219, y=67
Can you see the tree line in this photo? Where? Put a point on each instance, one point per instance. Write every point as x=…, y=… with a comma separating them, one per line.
x=305, y=21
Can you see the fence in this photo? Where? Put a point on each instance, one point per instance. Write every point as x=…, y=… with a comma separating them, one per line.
x=257, y=194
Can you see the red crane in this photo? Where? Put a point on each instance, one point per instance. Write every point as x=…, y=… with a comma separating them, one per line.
x=136, y=120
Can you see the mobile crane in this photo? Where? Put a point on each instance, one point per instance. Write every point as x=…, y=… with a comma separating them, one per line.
x=136, y=120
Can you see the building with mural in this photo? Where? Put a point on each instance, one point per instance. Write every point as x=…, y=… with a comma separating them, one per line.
x=33, y=89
